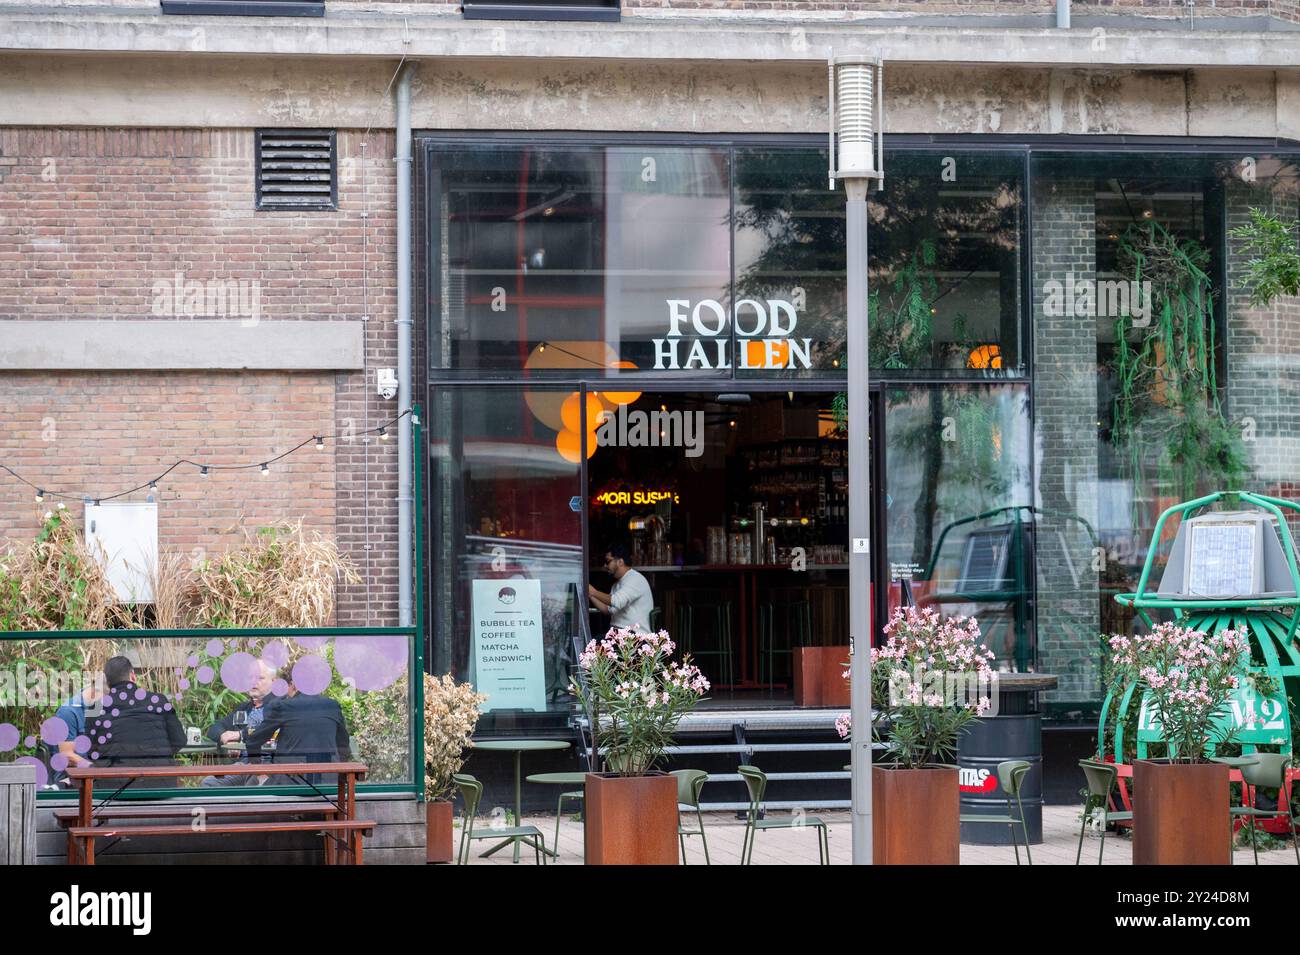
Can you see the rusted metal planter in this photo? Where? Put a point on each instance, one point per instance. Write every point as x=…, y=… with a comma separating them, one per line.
x=1180, y=813
x=438, y=841
x=915, y=816
x=631, y=820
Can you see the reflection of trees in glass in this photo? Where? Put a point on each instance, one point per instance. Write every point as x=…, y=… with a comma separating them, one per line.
x=1166, y=413
x=918, y=232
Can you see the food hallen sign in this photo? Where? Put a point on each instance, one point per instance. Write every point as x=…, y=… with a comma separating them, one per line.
x=764, y=329
x=508, y=662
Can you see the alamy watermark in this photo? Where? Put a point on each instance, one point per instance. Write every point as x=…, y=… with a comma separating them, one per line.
x=626, y=428
x=214, y=298
x=36, y=687
x=946, y=689
x=1091, y=298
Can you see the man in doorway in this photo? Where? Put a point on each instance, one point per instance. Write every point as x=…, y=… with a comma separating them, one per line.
x=629, y=601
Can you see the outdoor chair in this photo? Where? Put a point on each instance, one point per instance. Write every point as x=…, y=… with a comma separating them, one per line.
x=471, y=791
x=756, y=782
x=1011, y=777
x=1101, y=785
x=1269, y=771
x=689, y=784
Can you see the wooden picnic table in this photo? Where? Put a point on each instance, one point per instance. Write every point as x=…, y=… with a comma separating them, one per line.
x=340, y=825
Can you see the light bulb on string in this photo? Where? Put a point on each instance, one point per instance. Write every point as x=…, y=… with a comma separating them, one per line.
x=40, y=495
x=203, y=470
x=266, y=469
x=383, y=434
x=320, y=443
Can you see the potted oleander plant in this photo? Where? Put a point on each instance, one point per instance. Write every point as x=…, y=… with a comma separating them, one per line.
x=634, y=695
x=929, y=681
x=451, y=711
x=1180, y=802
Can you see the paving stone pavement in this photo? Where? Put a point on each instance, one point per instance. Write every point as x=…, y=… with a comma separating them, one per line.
x=799, y=847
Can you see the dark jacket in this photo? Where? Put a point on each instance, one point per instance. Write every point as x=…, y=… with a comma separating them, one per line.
x=137, y=728
x=311, y=729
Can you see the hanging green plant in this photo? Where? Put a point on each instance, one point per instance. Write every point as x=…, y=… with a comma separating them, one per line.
x=1166, y=410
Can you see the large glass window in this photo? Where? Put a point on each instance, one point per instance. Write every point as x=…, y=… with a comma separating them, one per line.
x=1156, y=378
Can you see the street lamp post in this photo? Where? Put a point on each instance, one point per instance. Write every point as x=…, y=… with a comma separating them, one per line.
x=856, y=121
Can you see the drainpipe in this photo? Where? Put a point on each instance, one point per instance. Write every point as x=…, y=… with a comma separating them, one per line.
x=1063, y=14
x=404, y=490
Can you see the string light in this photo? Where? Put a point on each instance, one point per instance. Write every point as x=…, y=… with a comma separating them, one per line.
x=204, y=469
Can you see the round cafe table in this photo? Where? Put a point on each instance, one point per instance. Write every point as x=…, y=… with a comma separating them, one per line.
x=518, y=747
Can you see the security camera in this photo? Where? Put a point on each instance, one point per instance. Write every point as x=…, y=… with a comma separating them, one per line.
x=386, y=383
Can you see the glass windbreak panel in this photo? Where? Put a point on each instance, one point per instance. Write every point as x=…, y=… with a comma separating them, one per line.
x=1158, y=379
x=945, y=246
x=505, y=502
x=563, y=259
x=207, y=700
x=790, y=279
x=959, y=521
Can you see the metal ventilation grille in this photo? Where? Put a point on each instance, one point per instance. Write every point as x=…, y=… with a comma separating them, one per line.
x=296, y=169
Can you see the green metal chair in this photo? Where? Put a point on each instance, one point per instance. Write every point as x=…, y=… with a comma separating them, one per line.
x=689, y=784
x=1011, y=777
x=1268, y=771
x=471, y=791
x=756, y=782
x=1101, y=786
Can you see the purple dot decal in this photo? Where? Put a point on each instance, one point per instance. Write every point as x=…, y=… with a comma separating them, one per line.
x=276, y=653
x=115, y=712
x=54, y=731
x=153, y=699
x=183, y=683
x=8, y=737
x=311, y=643
x=42, y=777
x=192, y=660
x=214, y=648
x=81, y=744
x=29, y=741
x=240, y=671
x=311, y=674
x=108, y=735
x=204, y=674
x=102, y=740
x=178, y=671
x=140, y=694
x=372, y=663
x=122, y=695
x=58, y=762
x=107, y=723
x=94, y=755
x=178, y=697
x=279, y=687
x=167, y=707
x=149, y=708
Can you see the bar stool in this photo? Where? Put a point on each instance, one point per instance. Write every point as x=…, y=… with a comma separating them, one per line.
x=718, y=612
x=782, y=625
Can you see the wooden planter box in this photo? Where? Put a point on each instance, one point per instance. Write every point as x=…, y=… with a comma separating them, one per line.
x=1180, y=813
x=819, y=676
x=915, y=815
x=631, y=820
x=438, y=841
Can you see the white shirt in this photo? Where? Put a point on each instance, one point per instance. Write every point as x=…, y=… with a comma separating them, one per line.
x=630, y=601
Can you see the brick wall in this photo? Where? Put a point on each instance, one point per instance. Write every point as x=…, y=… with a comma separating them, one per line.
x=1065, y=418
x=95, y=224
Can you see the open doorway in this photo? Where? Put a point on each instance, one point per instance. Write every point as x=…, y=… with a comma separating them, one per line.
x=734, y=507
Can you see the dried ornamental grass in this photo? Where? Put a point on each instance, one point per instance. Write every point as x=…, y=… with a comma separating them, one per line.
x=451, y=711
x=279, y=577
x=56, y=583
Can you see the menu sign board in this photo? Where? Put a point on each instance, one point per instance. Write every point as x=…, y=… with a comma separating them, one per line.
x=1222, y=561
x=508, y=661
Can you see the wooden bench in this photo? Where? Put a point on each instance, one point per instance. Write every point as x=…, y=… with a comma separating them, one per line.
x=82, y=838
x=343, y=832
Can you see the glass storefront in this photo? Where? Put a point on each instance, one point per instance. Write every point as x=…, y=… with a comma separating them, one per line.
x=1059, y=346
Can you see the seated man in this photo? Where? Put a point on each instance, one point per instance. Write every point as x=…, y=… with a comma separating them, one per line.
x=230, y=730
x=137, y=727
x=73, y=713
x=308, y=728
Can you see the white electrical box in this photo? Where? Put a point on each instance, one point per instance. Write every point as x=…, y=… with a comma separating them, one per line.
x=124, y=539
